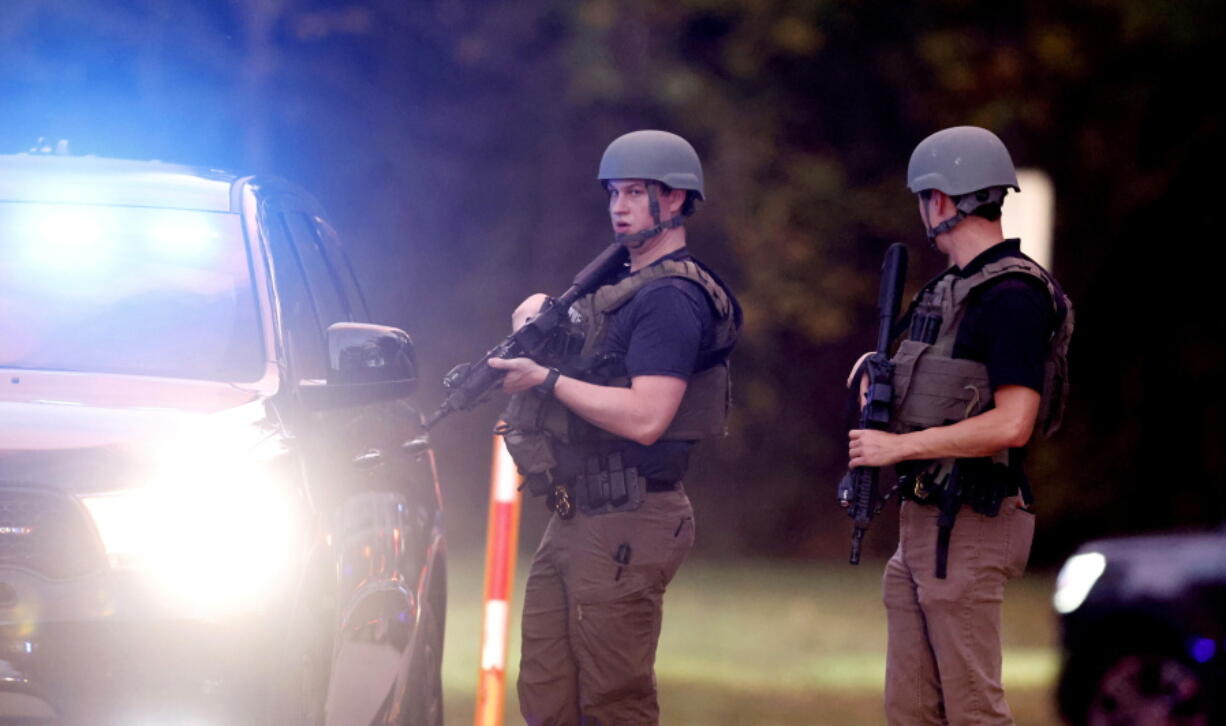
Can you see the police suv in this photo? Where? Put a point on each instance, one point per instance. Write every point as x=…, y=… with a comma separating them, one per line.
x=216, y=502
x=1144, y=631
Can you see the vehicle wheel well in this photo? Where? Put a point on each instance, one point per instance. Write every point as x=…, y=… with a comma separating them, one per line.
x=1100, y=647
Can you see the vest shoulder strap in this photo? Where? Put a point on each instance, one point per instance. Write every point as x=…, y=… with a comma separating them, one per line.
x=611, y=297
x=1013, y=266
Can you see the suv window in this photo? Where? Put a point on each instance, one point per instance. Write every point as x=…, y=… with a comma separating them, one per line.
x=322, y=280
x=358, y=309
x=299, y=320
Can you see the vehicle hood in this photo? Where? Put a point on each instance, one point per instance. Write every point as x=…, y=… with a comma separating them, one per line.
x=90, y=432
x=1161, y=567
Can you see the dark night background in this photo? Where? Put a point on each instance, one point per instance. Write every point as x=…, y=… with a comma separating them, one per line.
x=455, y=143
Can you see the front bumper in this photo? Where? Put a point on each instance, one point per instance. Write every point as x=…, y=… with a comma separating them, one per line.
x=107, y=649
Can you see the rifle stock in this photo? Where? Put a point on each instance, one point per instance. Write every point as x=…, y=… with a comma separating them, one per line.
x=858, y=492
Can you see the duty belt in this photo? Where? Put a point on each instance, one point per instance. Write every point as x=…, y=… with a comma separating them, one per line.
x=990, y=485
x=606, y=485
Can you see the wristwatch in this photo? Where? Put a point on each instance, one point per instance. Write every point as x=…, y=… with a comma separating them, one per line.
x=551, y=380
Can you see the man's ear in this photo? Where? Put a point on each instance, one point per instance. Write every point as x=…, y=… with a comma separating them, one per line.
x=674, y=201
x=945, y=203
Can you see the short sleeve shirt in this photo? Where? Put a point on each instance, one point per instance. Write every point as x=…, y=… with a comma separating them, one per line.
x=667, y=329
x=664, y=330
x=1008, y=327
x=1008, y=323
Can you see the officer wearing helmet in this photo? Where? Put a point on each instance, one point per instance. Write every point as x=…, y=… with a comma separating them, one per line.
x=606, y=435
x=983, y=365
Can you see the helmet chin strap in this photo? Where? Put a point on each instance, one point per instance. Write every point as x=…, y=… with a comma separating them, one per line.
x=945, y=226
x=963, y=206
x=638, y=239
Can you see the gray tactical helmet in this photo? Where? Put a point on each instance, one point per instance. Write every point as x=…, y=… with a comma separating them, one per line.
x=653, y=155
x=960, y=160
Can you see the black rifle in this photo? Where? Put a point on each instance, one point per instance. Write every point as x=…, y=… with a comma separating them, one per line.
x=467, y=383
x=858, y=492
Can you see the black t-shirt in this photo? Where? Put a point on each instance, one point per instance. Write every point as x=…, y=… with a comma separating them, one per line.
x=1008, y=323
x=664, y=330
x=1008, y=326
x=667, y=329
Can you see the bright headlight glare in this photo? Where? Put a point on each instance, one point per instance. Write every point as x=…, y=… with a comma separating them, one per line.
x=216, y=542
x=1076, y=579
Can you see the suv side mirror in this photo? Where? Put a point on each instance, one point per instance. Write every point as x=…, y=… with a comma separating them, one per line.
x=366, y=363
x=363, y=353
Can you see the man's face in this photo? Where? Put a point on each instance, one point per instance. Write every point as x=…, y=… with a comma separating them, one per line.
x=629, y=208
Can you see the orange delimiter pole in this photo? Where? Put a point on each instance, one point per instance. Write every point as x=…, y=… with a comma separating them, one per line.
x=501, y=542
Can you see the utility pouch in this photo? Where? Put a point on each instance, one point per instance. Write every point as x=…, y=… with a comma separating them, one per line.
x=529, y=432
x=533, y=455
x=993, y=483
x=607, y=486
x=935, y=390
x=926, y=321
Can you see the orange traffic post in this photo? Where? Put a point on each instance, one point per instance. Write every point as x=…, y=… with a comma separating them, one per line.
x=501, y=545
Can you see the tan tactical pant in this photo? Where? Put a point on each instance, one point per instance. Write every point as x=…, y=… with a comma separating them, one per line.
x=591, y=623
x=944, y=655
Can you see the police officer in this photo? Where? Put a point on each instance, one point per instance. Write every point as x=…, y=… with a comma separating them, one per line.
x=606, y=434
x=982, y=366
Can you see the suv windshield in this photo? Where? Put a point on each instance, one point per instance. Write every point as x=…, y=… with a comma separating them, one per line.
x=132, y=290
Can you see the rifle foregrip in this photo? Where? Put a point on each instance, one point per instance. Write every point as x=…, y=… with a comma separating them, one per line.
x=468, y=391
x=482, y=379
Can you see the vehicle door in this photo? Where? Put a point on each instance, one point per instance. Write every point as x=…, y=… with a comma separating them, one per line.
x=410, y=469
x=379, y=500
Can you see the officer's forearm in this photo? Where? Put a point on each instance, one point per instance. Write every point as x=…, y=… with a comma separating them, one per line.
x=1007, y=425
x=640, y=413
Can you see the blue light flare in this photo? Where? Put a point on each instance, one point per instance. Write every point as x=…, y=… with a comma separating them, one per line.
x=1202, y=650
x=72, y=240
x=83, y=240
x=183, y=236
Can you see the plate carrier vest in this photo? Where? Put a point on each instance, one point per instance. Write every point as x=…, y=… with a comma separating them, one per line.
x=932, y=388
x=535, y=422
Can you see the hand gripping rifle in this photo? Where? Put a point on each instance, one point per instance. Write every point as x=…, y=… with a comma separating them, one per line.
x=468, y=383
x=858, y=489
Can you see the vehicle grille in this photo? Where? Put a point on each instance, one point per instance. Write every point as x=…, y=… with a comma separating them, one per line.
x=47, y=533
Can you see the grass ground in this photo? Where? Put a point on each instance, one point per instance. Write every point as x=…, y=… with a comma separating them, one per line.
x=761, y=643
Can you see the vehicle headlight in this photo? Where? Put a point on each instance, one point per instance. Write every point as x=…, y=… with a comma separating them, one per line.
x=217, y=538
x=1076, y=579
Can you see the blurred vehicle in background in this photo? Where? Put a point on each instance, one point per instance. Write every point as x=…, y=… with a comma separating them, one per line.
x=1144, y=631
x=215, y=504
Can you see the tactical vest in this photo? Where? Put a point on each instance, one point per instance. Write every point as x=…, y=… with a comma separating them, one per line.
x=702, y=413
x=932, y=388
